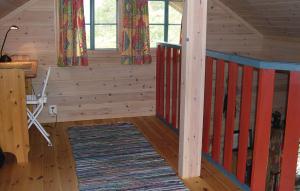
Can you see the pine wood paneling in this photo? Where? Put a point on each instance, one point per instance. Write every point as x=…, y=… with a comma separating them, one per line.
x=271, y=17
x=286, y=49
x=227, y=32
x=105, y=88
x=7, y=6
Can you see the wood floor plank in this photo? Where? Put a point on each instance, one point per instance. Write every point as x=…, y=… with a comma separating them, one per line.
x=53, y=168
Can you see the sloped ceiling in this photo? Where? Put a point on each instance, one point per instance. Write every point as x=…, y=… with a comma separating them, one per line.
x=177, y=4
x=6, y=6
x=270, y=17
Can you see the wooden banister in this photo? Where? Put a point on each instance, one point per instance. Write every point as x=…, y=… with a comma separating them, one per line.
x=219, y=122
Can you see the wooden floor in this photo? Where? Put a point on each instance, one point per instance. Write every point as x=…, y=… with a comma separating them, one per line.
x=53, y=168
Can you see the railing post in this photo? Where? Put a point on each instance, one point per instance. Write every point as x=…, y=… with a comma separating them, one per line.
x=262, y=129
x=244, y=125
x=207, y=104
x=230, y=115
x=158, y=64
x=179, y=87
x=175, y=88
x=291, y=136
x=168, y=85
x=162, y=82
x=218, y=113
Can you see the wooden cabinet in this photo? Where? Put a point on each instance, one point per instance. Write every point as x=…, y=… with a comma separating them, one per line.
x=13, y=118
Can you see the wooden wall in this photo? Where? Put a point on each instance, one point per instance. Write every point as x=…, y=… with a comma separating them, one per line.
x=281, y=48
x=7, y=6
x=228, y=32
x=270, y=17
x=106, y=88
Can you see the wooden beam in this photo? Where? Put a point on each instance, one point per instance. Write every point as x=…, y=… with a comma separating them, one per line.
x=192, y=87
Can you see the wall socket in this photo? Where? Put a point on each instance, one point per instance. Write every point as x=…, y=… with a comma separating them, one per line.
x=53, y=109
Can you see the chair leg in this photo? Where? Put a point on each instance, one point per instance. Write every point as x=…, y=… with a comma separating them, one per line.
x=34, y=121
x=36, y=112
x=43, y=132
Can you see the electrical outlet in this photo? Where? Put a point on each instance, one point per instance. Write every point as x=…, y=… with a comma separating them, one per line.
x=53, y=109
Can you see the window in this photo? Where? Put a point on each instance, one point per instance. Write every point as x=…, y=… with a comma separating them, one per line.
x=165, y=22
x=101, y=23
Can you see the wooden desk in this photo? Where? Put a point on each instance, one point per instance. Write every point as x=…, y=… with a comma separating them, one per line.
x=29, y=67
x=13, y=117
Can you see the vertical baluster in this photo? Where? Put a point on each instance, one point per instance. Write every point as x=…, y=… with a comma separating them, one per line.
x=179, y=86
x=262, y=129
x=230, y=115
x=162, y=82
x=168, y=85
x=244, y=124
x=291, y=136
x=158, y=63
x=218, y=113
x=175, y=88
x=207, y=103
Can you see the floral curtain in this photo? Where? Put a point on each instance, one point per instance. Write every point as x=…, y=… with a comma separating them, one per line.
x=72, y=40
x=135, y=42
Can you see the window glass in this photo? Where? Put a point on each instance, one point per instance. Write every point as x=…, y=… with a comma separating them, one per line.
x=101, y=32
x=105, y=11
x=87, y=8
x=105, y=36
x=156, y=12
x=88, y=36
x=174, y=34
x=174, y=16
x=156, y=34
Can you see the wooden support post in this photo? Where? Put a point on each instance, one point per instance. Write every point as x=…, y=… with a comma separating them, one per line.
x=192, y=86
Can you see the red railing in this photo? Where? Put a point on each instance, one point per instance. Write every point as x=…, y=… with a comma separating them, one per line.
x=237, y=137
x=168, y=83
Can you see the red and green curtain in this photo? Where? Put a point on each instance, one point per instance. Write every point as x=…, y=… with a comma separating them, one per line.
x=72, y=40
x=135, y=41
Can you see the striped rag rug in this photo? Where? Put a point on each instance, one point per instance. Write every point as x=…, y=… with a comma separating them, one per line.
x=118, y=157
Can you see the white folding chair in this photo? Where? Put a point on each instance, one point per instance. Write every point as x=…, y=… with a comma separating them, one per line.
x=38, y=101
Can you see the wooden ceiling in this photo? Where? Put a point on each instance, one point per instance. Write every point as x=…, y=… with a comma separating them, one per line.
x=6, y=6
x=270, y=17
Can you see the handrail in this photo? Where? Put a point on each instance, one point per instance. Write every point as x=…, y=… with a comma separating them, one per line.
x=169, y=45
x=243, y=60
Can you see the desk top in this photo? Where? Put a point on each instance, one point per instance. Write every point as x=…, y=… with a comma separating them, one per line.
x=29, y=66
